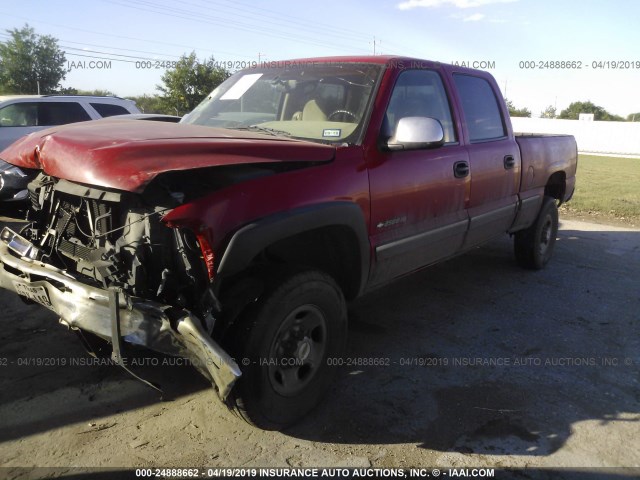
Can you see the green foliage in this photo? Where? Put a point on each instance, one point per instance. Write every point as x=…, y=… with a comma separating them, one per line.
x=27, y=59
x=549, y=112
x=97, y=93
x=186, y=85
x=573, y=111
x=152, y=104
x=633, y=117
x=68, y=91
x=517, y=112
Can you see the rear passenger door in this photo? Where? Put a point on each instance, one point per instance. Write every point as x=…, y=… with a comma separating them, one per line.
x=494, y=158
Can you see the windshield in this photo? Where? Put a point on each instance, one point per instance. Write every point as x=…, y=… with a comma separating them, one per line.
x=325, y=102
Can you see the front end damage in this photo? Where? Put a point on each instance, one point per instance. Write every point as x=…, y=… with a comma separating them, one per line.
x=106, y=264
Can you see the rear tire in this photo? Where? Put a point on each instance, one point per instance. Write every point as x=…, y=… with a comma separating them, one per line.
x=534, y=246
x=283, y=345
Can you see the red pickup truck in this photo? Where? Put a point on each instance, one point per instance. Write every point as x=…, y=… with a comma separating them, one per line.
x=236, y=237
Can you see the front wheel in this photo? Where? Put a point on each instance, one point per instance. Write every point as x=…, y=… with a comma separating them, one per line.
x=284, y=344
x=534, y=246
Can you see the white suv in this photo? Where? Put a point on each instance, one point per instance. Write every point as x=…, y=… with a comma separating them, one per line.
x=23, y=114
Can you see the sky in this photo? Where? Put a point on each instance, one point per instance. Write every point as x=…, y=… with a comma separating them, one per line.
x=124, y=45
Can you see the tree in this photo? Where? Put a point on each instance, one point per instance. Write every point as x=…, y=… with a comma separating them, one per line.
x=573, y=111
x=517, y=112
x=186, y=85
x=97, y=93
x=75, y=91
x=633, y=117
x=151, y=104
x=68, y=91
x=549, y=112
x=28, y=59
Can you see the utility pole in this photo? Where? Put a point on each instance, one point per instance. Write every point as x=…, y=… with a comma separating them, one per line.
x=375, y=42
x=260, y=55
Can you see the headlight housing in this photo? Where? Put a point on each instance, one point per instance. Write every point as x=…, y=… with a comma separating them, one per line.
x=8, y=169
x=13, y=182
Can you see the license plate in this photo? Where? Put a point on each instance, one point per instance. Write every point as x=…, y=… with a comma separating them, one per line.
x=37, y=294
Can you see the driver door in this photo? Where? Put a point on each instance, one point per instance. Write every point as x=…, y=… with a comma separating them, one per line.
x=418, y=197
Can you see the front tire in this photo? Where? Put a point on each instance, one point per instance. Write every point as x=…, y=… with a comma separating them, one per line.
x=284, y=344
x=534, y=245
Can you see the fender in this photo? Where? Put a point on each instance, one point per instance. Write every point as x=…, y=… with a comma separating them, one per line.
x=254, y=237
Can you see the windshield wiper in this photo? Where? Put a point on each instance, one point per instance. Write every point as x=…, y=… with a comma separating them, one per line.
x=270, y=131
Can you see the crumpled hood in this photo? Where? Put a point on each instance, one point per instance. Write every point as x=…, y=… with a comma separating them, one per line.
x=127, y=154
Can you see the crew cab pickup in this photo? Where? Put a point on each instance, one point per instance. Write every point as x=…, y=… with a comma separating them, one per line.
x=236, y=237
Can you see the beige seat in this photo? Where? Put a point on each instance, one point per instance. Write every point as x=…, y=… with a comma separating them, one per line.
x=310, y=112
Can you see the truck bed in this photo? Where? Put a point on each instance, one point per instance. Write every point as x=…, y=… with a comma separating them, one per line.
x=543, y=155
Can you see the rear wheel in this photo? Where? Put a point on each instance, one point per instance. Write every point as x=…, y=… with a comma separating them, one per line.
x=534, y=246
x=283, y=344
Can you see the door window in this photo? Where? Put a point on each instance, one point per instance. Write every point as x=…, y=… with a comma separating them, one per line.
x=109, y=109
x=19, y=115
x=480, y=106
x=59, y=113
x=419, y=93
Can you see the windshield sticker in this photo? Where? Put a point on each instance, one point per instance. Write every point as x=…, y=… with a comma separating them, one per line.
x=331, y=132
x=241, y=86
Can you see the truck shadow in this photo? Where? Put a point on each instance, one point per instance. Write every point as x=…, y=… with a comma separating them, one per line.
x=473, y=355
x=478, y=356
x=49, y=380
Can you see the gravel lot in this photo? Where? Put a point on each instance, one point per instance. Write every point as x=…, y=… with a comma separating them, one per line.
x=484, y=365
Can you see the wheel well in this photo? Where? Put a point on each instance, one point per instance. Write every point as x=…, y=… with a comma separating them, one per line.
x=332, y=249
x=556, y=186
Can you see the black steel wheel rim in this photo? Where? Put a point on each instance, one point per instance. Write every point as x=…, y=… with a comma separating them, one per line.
x=545, y=235
x=297, y=350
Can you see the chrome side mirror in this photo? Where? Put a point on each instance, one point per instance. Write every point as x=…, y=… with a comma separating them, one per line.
x=416, y=133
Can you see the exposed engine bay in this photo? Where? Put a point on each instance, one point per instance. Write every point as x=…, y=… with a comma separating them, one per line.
x=115, y=239
x=105, y=262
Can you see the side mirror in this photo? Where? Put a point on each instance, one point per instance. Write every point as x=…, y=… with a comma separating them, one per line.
x=416, y=133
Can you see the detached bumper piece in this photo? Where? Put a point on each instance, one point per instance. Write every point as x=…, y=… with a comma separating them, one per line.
x=112, y=314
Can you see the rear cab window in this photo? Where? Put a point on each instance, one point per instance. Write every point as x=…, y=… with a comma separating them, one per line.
x=480, y=107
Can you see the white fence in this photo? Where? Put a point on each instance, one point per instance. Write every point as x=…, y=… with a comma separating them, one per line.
x=617, y=138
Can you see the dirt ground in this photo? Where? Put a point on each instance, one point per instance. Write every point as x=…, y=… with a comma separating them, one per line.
x=486, y=365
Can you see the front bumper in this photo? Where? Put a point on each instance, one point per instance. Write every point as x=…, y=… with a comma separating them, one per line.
x=143, y=322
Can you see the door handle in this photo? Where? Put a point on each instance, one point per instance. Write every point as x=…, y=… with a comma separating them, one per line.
x=461, y=169
x=509, y=162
